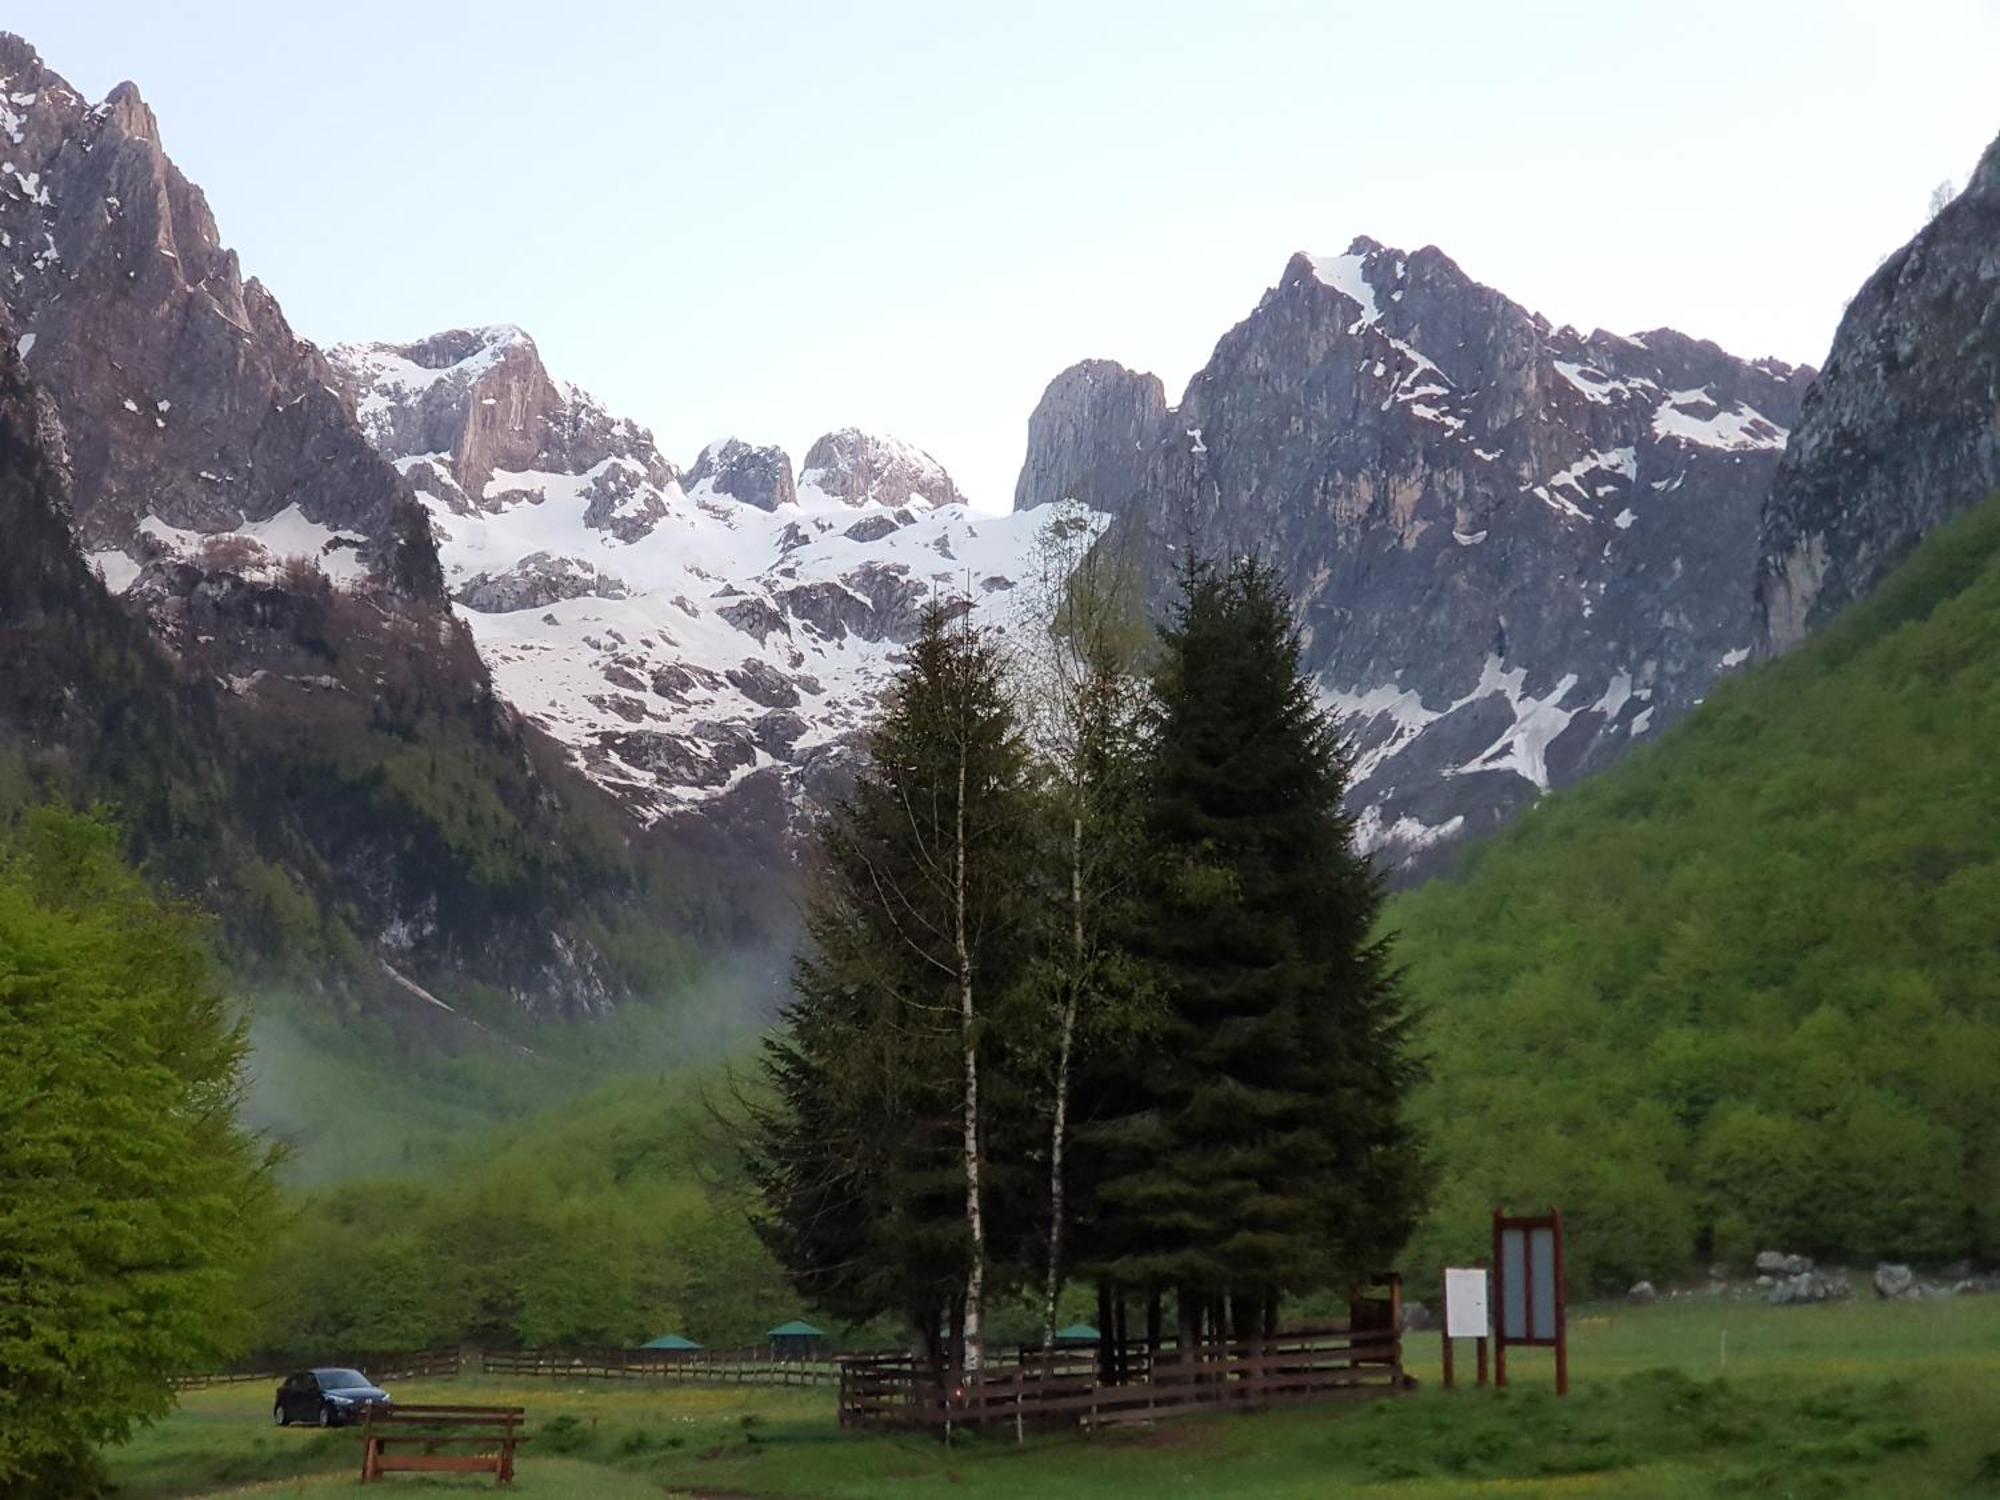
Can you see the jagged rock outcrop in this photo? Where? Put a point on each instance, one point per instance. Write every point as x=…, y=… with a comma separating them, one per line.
x=1902, y=429
x=190, y=407
x=1514, y=548
x=852, y=467
x=537, y=581
x=1091, y=436
x=473, y=417
x=734, y=470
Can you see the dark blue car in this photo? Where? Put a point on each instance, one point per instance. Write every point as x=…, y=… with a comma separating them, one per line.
x=326, y=1397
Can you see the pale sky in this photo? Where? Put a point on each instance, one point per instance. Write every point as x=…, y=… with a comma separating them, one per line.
x=772, y=219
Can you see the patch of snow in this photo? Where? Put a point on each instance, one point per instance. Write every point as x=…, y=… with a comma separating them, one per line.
x=1523, y=746
x=1598, y=386
x=285, y=535
x=117, y=570
x=1382, y=719
x=1344, y=274
x=1617, y=693
x=1406, y=836
x=1693, y=416
x=1620, y=463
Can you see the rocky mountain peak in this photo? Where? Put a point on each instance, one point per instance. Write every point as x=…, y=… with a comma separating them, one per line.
x=126, y=111
x=759, y=476
x=474, y=418
x=190, y=407
x=1902, y=429
x=1089, y=434
x=1559, y=523
x=852, y=467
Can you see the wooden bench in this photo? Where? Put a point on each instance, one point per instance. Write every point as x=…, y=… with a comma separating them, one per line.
x=493, y=1430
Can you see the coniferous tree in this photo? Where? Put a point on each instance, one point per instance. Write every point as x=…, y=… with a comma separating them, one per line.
x=1258, y=1144
x=898, y=1126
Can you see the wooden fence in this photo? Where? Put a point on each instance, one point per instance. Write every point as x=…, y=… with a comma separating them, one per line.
x=754, y=1366
x=893, y=1391
x=408, y=1364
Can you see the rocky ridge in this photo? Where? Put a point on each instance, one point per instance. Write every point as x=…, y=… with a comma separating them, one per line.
x=1515, y=548
x=1902, y=429
x=702, y=645
x=189, y=406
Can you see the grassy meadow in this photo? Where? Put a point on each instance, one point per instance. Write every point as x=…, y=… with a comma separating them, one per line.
x=1693, y=1397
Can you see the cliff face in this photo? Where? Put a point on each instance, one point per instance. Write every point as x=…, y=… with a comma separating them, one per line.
x=734, y=470
x=188, y=403
x=1515, y=549
x=1902, y=430
x=1091, y=435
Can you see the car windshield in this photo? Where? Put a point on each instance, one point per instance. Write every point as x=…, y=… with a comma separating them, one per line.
x=342, y=1380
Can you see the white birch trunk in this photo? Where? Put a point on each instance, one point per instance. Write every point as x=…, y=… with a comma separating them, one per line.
x=1065, y=1048
x=975, y=1277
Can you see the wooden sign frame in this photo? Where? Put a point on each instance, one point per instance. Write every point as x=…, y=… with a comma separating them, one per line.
x=1530, y=1307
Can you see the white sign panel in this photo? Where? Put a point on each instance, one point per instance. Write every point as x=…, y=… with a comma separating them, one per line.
x=1465, y=1315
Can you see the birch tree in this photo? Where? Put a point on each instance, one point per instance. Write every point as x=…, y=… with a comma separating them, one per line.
x=1086, y=700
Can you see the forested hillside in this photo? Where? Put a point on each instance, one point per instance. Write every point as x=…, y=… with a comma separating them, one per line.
x=620, y=1218
x=1741, y=991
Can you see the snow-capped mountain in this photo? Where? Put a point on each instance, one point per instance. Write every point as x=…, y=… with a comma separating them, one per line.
x=1515, y=548
x=689, y=640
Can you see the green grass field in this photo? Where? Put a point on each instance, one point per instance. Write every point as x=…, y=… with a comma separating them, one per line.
x=1859, y=1399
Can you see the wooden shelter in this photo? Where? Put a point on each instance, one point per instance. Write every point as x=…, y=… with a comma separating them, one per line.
x=796, y=1340
x=672, y=1343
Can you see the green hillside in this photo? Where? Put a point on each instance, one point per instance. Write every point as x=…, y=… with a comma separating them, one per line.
x=1743, y=991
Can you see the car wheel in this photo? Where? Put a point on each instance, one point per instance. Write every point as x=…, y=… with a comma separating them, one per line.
x=325, y=1415
x=279, y=1416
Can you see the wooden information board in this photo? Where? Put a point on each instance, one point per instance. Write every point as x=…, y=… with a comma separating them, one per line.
x=1528, y=1250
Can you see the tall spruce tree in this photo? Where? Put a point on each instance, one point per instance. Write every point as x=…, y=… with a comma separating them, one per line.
x=898, y=1126
x=1257, y=1145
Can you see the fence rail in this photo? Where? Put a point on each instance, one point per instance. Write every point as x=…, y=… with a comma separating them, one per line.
x=755, y=1366
x=408, y=1364
x=894, y=1391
